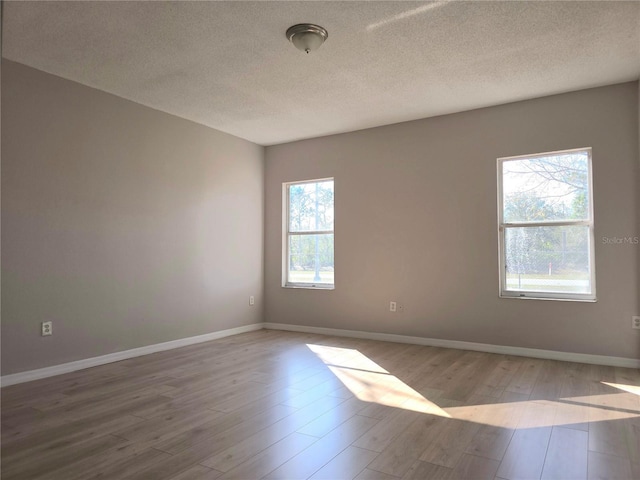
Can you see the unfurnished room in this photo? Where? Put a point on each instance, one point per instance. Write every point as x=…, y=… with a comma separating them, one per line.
x=372, y=240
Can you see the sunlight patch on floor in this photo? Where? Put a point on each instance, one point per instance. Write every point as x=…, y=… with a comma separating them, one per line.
x=369, y=382
x=537, y=413
x=347, y=357
x=622, y=401
x=385, y=389
x=627, y=388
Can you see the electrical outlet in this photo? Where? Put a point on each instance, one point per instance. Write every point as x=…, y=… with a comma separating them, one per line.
x=635, y=322
x=252, y=301
x=392, y=306
x=47, y=328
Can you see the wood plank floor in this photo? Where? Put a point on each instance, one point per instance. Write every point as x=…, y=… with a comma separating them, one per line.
x=282, y=405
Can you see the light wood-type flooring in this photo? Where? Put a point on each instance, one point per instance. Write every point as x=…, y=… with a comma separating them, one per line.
x=282, y=405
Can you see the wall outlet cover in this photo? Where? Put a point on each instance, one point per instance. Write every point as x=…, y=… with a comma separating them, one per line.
x=47, y=328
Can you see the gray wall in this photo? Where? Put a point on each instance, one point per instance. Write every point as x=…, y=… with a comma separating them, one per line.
x=124, y=225
x=416, y=223
x=128, y=227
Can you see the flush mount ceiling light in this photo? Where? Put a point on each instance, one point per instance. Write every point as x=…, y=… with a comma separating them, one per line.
x=306, y=36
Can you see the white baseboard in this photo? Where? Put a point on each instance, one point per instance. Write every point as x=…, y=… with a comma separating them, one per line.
x=480, y=347
x=30, y=375
x=385, y=337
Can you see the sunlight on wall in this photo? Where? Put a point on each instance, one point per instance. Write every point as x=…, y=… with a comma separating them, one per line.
x=369, y=382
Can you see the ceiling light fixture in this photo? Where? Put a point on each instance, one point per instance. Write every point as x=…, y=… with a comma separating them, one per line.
x=306, y=36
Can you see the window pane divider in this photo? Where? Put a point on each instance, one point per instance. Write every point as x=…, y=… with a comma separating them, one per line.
x=563, y=223
x=313, y=232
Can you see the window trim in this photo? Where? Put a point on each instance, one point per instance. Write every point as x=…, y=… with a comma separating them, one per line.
x=286, y=233
x=503, y=292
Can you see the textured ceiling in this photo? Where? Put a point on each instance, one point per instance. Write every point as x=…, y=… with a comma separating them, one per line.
x=228, y=65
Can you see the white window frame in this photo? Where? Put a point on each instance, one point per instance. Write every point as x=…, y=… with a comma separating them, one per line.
x=286, y=234
x=503, y=226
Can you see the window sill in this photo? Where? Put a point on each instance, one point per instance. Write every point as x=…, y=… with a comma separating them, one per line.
x=557, y=299
x=311, y=287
